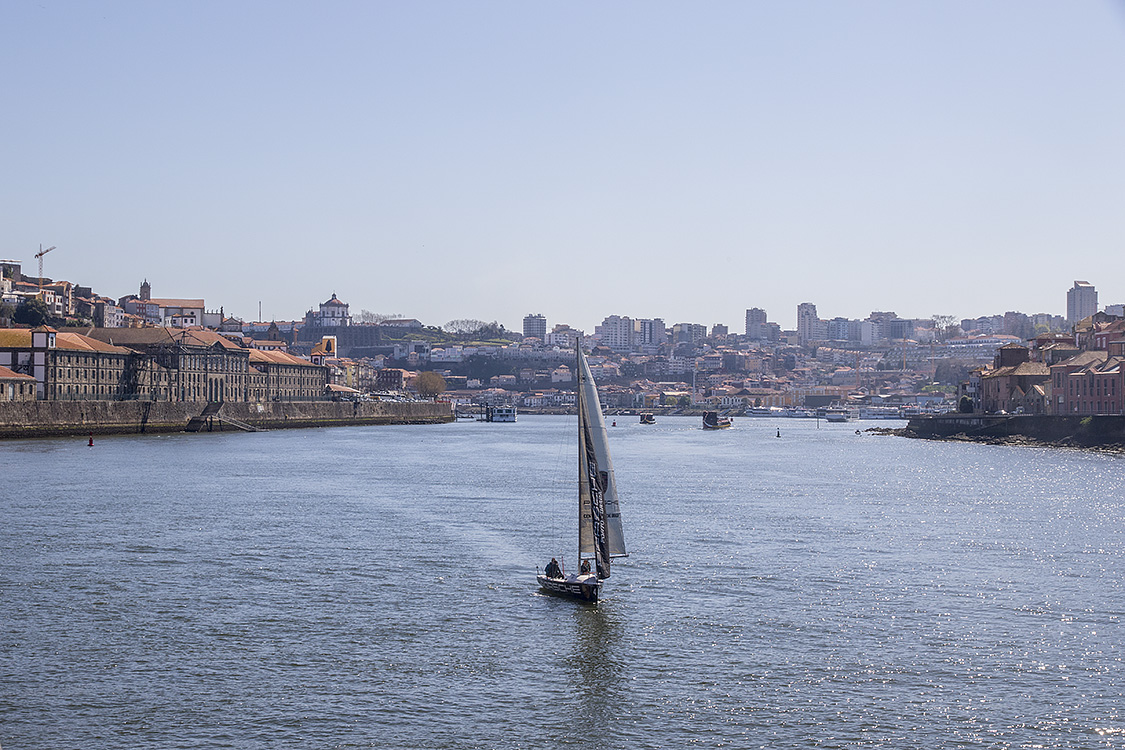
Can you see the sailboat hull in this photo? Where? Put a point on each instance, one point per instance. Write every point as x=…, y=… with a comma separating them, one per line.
x=584, y=588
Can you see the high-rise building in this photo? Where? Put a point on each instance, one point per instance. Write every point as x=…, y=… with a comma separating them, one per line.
x=1081, y=302
x=649, y=332
x=616, y=332
x=807, y=323
x=755, y=320
x=838, y=329
x=535, y=326
x=688, y=333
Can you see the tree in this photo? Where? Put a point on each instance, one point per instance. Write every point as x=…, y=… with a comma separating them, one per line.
x=952, y=371
x=429, y=384
x=965, y=405
x=942, y=325
x=468, y=329
x=464, y=326
x=366, y=316
x=31, y=312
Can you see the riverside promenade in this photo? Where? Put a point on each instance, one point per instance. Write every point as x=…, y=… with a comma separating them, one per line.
x=61, y=418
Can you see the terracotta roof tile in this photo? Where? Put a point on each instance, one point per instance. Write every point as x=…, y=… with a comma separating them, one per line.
x=6, y=374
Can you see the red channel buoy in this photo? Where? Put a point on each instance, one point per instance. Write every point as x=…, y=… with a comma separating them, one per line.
x=91, y=440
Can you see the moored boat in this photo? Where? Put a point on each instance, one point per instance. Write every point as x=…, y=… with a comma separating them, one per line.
x=500, y=414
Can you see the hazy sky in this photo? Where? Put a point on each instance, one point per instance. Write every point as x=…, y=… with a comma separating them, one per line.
x=485, y=160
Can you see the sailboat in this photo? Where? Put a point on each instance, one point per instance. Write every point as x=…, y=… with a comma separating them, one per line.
x=600, y=537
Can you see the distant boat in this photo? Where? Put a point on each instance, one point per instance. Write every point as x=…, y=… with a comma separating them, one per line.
x=648, y=418
x=712, y=421
x=600, y=537
x=840, y=414
x=879, y=412
x=500, y=414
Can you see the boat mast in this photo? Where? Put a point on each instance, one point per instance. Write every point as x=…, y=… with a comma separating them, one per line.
x=581, y=442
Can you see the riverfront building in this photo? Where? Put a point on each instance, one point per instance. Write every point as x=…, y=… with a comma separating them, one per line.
x=155, y=364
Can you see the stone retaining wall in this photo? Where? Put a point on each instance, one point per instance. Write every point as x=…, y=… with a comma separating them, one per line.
x=1091, y=431
x=57, y=418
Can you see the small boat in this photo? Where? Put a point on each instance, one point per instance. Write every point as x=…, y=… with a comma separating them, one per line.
x=712, y=421
x=600, y=537
x=648, y=418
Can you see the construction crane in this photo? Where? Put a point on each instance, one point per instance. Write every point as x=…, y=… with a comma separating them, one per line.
x=40, y=255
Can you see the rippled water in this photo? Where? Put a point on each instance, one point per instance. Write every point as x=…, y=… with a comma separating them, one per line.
x=374, y=587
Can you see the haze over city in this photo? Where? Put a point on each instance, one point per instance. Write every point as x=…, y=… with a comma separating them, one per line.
x=486, y=160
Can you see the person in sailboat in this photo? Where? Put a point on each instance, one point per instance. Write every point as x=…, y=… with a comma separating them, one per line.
x=585, y=567
x=553, y=570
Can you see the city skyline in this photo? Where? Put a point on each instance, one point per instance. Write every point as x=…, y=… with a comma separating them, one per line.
x=547, y=323
x=448, y=161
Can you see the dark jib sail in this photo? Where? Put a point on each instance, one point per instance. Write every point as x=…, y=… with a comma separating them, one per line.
x=598, y=480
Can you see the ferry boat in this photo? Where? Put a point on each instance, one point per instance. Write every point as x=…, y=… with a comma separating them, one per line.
x=838, y=414
x=879, y=412
x=500, y=414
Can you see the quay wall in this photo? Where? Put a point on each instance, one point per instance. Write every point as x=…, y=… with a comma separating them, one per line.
x=59, y=418
x=1052, y=429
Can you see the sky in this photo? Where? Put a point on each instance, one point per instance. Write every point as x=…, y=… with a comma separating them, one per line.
x=486, y=160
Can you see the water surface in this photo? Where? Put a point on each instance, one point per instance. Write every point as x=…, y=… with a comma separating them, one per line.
x=374, y=587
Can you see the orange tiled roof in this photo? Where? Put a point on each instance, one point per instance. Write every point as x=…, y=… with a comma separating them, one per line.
x=20, y=338
x=277, y=358
x=15, y=338
x=6, y=374
x=172, y=302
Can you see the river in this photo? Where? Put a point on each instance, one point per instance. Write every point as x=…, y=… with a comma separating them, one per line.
x=373, y=587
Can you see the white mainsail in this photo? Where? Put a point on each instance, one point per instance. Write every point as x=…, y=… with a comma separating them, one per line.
x=599, y=517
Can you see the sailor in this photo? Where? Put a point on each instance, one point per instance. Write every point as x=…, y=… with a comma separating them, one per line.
x=553, y=569
x=585, y=567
